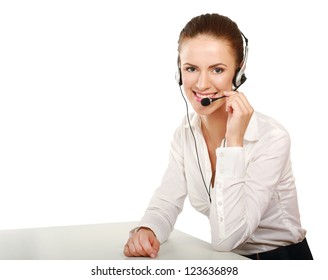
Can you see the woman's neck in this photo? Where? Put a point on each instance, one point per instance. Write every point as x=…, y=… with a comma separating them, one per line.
x=214, y=127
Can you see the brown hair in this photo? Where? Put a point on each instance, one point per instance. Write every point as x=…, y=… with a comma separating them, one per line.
x=217, y=26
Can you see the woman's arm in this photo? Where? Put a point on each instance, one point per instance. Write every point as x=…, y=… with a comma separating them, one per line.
x=164, y=207
x=243, y=192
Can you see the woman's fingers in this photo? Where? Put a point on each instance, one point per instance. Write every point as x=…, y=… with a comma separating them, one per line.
x=239, y=114
x=238, y=98
x=142, y=244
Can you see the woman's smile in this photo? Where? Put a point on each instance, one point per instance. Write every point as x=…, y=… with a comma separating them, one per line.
x=199, y=96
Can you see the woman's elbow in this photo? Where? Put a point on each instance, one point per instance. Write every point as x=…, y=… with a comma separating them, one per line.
x=230, y=242
x=223, y=246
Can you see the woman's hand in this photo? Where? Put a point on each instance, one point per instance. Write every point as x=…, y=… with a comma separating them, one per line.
x=239, y=114
x=142, y=243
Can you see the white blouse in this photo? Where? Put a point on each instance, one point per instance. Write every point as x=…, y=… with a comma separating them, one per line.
x=254, y=201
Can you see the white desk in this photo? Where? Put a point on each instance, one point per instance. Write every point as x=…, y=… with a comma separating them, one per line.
x=96, y=242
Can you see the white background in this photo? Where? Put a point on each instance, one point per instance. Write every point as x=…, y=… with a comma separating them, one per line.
x=89, y=103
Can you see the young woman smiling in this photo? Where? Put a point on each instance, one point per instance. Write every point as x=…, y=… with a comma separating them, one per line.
x=232, y=162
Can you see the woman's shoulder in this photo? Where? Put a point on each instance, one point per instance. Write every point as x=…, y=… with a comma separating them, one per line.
x=269, y=126
x=268, y=121
x=192, y=120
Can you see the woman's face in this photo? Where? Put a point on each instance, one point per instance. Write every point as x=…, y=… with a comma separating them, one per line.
x=207, y=66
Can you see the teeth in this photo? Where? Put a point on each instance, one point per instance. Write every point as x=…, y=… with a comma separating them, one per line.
x=204, y=95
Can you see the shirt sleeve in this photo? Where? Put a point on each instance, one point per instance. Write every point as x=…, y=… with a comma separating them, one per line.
x=167, y=201
x=243, y=191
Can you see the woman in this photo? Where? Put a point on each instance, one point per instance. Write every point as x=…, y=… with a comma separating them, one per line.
x=232, y=162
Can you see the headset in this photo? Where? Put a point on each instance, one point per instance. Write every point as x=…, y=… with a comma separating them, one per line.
x=238, y=79
x=240, y=76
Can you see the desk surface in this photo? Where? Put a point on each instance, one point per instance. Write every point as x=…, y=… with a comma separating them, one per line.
x=99, y=241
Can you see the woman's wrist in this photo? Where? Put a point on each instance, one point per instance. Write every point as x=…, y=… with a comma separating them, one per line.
x=146, y=228
x=230, y=142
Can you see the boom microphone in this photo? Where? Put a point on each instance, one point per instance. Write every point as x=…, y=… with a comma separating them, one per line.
x=207, y=101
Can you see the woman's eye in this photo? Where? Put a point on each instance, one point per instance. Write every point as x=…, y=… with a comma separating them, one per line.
x=218, y=70
x=191, y=69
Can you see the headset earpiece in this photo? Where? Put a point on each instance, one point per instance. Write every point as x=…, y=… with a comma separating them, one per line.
x=178, y=77
x=239, y=78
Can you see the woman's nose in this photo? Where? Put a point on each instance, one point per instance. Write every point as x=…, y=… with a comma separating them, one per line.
x=203, y=81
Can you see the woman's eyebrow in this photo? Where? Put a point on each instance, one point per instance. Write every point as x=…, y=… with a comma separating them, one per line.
x=218, y=64
x=211, y=66
x=189, y=64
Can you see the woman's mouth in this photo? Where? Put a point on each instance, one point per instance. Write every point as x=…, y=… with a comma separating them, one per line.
x=199, y=96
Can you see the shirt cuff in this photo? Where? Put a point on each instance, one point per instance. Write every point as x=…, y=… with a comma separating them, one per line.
x=230, y=162
x=150, y=222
